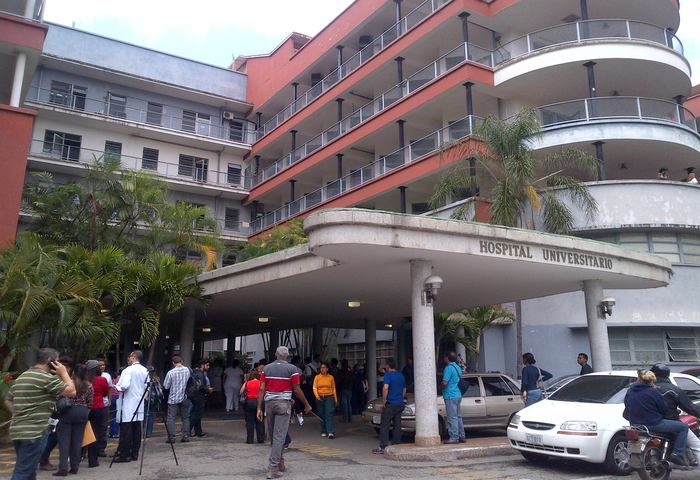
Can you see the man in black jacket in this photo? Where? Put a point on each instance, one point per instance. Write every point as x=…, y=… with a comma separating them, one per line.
x=199, y=399
x=676, y=398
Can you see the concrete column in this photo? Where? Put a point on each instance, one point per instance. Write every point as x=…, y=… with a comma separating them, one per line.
x=460, y=349
x=294, y=142
x=464, y=16
x=427, y=430
x=401, y=347
x=402, y=191
x=340, y=55
x=470, y=103
x=29, y=13
x=16, y=94
x=597, y=328
x=402, y=141
x=291, y=190
x=340, y=108
x=398, y=13
x=231, y=349
x=584, y=10
x=601, y=160
x=274, y=341
x=295, y=85
x=259, y=119
x=317, y=340
x=591, y=79
x=371, y=358
x=340, y=165
x=187, y=336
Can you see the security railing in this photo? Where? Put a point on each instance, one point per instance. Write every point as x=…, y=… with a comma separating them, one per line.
x=199, y=172
x=197, y=124
x=414, y=17
x=384, y=165
x=439, y=67
x=623, y=108
x=582, y=31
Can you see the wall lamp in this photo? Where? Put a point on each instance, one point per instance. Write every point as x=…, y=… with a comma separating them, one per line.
x=431, y=285
x=605, y=307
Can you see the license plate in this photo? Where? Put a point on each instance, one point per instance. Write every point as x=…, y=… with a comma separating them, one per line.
x=377, y=419
x=634, y=447
x=534, y=439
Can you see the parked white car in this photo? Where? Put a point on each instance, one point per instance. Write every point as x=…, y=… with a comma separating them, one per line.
x=583, y=420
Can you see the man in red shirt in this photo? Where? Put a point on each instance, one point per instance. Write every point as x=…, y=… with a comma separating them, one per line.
x=277, y=381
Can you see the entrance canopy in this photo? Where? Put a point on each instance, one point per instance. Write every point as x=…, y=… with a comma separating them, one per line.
x=363, y=256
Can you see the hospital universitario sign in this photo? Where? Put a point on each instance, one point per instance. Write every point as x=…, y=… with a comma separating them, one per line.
x=545, y=254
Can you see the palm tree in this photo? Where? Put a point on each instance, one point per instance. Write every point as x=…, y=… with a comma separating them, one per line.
x=281, y=237
x=523, y=182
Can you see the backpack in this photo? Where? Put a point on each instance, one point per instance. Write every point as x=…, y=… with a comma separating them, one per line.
x=462, y=383
x=193, y=386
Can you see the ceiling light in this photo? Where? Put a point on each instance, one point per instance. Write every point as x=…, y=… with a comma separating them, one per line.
x=389, y=325
x=167, y=337
x=353, y=304
x=136, y=342
x=206, y=330
x=263, y=319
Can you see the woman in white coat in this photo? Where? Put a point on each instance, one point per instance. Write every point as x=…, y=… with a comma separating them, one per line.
x=233, y=380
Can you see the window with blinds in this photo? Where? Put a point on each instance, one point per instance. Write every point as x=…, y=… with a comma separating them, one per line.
x=150, y=159
x=117, y=106
x=113, y=152
x=646, y=346
x=232, y=219
x=233, y=175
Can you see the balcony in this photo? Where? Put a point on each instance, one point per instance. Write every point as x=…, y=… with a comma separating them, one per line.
x=197, y=125
x=415, y=151
x=72, y=157
x=455, y=57
x=414, y=17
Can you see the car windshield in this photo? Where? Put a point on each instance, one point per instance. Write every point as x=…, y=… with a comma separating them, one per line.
x=594, y=389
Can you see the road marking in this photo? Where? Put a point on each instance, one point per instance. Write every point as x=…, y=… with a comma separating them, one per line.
x=319, y=450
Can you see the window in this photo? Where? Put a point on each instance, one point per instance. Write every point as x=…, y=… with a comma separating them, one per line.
x=69, y=95
x=150, y=159
x=235, y=131
x=232, y=219
x=154, y=114
x=194, y=167
x=62, y=145
x=647, y=346
x=677, y=248
x=117, y=106
x=233, y=175
x=495, y=387
x=474, y=389
x=194, y=122
x=113, y=152
x=355, y=352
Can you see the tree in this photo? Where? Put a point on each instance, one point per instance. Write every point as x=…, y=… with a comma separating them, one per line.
x=281, y=237
x=523, y=182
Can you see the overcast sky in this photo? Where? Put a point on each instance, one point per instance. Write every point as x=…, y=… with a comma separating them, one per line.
x=218, y=30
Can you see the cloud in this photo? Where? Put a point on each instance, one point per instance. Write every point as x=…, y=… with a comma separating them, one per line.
x=688, y=33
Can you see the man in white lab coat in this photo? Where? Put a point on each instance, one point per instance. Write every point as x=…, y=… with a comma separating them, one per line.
x=132, y=385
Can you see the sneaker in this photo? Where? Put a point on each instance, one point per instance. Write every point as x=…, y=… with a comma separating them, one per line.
x=450, y=442
x=378, y=451
x=331, y=436
x=677, y=460
x=272, y=474
x=324, y=434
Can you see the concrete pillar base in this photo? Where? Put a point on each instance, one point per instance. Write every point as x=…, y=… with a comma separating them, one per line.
x=428, y=441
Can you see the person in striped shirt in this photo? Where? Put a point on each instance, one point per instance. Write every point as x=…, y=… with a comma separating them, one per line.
x=277, y=382
x=31, y=401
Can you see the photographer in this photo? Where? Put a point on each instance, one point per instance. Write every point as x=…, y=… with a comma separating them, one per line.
x=31, y=401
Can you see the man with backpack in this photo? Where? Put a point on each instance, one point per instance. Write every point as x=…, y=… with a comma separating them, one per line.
x=198, y=394
x=176, y=381
x=451, y=376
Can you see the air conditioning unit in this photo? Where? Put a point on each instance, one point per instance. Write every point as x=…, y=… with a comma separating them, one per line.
x=228, y=116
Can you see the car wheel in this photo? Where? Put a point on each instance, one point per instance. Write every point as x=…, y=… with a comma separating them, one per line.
x=534, y=457
x=617, y=459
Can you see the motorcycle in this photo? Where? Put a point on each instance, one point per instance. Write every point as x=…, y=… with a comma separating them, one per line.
x=649, y=451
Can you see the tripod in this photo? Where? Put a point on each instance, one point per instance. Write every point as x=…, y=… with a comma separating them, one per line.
x=152, y=388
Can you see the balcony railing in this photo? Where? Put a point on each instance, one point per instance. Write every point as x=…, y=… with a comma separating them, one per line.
x=405, y=24
x=439, y=67
x=583, y=31
x=243, y=131
x=623, y=108
x=410, y=153
x=200, y=173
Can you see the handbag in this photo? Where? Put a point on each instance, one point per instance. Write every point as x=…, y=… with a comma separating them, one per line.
x=63, y=404
x=89, y=435
x=244, y=395
x=541, y=385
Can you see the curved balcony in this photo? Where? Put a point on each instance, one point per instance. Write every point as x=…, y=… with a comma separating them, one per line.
x=421, y=148
x=414, y=17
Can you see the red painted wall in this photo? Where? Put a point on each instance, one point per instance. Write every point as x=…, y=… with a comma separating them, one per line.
x=25, y=33
x=15, y=137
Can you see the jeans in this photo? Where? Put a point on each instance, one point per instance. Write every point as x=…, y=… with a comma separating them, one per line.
x=326, y=410
x=113, y=424
x=533, y=396
x=150, y=421
x=345, y=400
x=677, y=427
x=102, y=440
x=28, y=453
x=196, y=417
x=51, y=443
x=278, y=414
x=390, y=415
x=455, y=426
x=252, y=424
x=97, y=421
x=129, y=440
x=70, y=430
x=184, y=408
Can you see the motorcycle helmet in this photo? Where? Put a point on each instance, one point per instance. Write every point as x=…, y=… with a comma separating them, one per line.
x=661, y=370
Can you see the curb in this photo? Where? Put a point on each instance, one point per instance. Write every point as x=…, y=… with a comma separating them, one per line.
x=408, y=453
